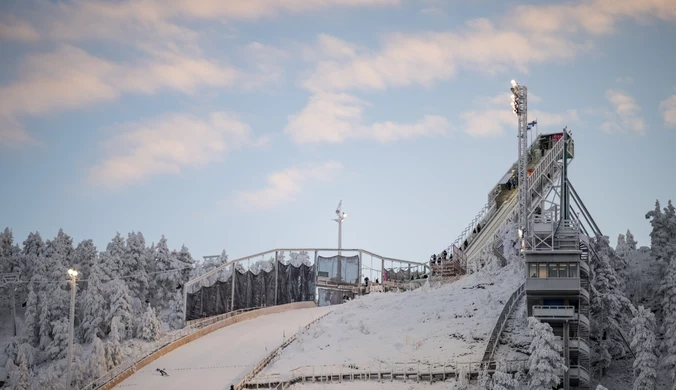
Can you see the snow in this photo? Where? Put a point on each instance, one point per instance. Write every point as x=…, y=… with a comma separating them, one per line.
x=444, y=324
x=220, y=358
x=372, y=385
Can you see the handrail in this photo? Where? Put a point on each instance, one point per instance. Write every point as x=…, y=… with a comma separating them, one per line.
x=272, y=251
x=376, y=371
x=266, y=360
x=159, y=344
x=501, y=322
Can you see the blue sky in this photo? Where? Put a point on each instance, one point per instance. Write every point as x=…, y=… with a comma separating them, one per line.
x=240, y=125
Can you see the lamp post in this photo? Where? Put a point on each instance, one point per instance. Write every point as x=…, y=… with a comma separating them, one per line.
x=73, y=280
x=341, y=217
x=520, y=107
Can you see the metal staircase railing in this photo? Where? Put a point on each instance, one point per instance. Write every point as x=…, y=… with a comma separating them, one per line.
x=536, y=182
x=501, y=322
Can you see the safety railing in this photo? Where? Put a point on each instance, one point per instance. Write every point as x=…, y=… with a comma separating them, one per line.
x=266, y=360
x=482, y=217
x=418, y=371
x=501, y=322
x=165, y=340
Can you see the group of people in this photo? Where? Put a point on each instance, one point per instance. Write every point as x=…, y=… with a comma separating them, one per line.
x=443, y=256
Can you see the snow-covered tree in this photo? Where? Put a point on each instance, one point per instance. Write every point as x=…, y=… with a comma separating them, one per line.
x=298, y=258
x=668, y=290
x=644, y=345
x=166, y=277
x=110, y=260
x=185, y=262
x=9, y=252
x=663, y=234
x=97, y=365
x=545, y=359
x=134, y=264
x=120, y=307
x=149, y=328
x=113, y=348
x=59, y=345
x=631, y=242
x=504, y=381
x=94, y=308
x=601, y=387
x=175, y=316
x=33, y=265
x=484, y=377
x=32, y=317
x=84, y=257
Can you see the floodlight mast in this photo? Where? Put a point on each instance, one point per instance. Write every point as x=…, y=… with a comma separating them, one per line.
x=341, y=217
x=520, y=108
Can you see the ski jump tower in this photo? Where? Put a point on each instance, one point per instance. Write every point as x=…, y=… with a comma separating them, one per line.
x=555, y=251
x=554, y=227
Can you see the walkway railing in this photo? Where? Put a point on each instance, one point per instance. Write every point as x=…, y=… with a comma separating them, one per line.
x=263, y=363
x=416, y=371
x=501, y=322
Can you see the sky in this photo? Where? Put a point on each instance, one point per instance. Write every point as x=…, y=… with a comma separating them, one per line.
x=241, y=125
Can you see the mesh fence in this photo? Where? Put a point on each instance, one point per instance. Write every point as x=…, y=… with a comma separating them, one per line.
x=294, y=284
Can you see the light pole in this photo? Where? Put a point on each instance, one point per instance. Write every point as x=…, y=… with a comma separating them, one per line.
x=341, y=217
x=73, y=280
x=520, y=108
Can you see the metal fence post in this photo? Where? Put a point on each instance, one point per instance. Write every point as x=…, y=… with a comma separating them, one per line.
x=232, y=298
x=276, y=274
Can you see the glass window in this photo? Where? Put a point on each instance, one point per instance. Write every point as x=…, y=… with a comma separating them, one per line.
x=542, y=270
x=533, y=270
x=572, y=270
x=563, y=270
x=553, y=270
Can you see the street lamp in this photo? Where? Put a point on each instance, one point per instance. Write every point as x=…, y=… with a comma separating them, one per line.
x=341, y=217
x=73, y=280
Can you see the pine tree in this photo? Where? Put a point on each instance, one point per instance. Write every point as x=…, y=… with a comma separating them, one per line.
x=32, y=317
x=484, y=376
x=175, y=317
x=668, y=290
x=97, y=359
x=150, y=327
x=84, y=257
x=165, y=279
x=504, y=381
x=33, y=250
x=45, y=325
x=644, y=344
x=660, y=235
x=93, y=308
x=120, y=307
x=134, y=263
x=601, y=387
x=631, y=242
x=9, y=252
x=113, y=348
x=545, y=359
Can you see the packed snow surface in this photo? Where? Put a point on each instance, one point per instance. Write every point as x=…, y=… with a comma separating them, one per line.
x=443, y=324
x=220, y=358
x=385, y=385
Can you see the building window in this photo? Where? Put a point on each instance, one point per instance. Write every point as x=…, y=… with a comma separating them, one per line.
x=563, y=270
x=553, y=271
x=533, y=270
x=572, y=270
x=542, y=270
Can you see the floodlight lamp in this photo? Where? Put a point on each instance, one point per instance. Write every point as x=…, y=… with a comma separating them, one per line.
x=72, y=272
x=520, y=232
x=514, y=83
x=344, y=215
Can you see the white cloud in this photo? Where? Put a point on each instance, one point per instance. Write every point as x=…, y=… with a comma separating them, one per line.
x=625, y=80
x=625, y=116
x=69, y=78
x=15, y=29
x=334, y=118
x=668, y=110
x=433, y=11
x=551, y=33
x=167, y=144
x=495, y=117
x=12, y=134
x=285, y=186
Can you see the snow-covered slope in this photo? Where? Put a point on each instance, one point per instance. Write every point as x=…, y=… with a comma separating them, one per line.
x=445, y=324
x=219, y=358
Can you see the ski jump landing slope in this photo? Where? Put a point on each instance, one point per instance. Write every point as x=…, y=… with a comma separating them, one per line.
x=219, y=359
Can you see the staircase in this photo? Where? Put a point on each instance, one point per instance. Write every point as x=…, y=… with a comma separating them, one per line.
x=492, y=218
x=500, y=325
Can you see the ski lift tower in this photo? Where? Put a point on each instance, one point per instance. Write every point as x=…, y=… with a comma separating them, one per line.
x=520, y=108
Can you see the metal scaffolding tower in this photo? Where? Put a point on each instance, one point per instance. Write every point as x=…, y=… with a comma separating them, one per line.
x=520, y=108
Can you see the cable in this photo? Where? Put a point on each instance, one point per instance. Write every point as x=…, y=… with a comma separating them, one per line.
x=87, y=280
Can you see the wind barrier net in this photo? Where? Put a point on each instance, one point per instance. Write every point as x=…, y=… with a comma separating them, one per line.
x=294, y=284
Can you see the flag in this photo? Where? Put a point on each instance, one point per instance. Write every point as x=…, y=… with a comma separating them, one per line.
x=532, y=124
